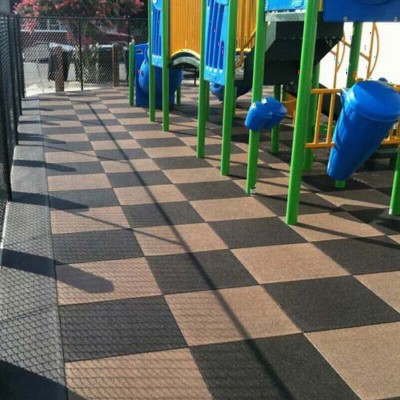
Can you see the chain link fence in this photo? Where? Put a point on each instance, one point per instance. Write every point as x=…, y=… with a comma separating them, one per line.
x=94, y=51
x=11, y=93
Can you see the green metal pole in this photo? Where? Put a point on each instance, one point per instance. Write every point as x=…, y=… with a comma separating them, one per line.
x=207, y=101
x=132, y=72
x=395, y=200
x=309, y=156
x=258, y=80
x=303, y=102
x=203, y=86
x=179, y=96
x=354, y=60
x=152, y=72
x=165, y=66
x=229, y=94
x=276, y=130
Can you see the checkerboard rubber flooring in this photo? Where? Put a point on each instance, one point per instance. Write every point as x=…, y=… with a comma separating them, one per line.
x=174, y=284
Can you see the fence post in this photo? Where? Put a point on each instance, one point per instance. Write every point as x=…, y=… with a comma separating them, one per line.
x=115, y=64
x=80, y=53
x=13, y=68
x=58, y=69
x=21, y=59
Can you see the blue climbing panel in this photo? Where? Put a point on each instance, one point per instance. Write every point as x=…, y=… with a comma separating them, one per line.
x=156, y=32
x=285, y=5
x=216, y=41
x=362, y=10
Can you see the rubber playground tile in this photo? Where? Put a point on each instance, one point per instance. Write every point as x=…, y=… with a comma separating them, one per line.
x=78, y=182
x=64, y=139
x=83, y=199
x=310, y=203
x=115, y=144
x=199, y=271
x=164, y=152
x=104, y=281
x=353, y=199
x=255, y=232
x=54, y=169
x=181, y=163
x=194, y=175
x=120, y=154
x=378, y=218
x=68, y=146
x=138, y=178
x=116, y=328
x=215, y=149
x=289, y=262
x=283, y=367
x=100, y=122
x=154, y=134
x=131, y=126
x=70, y=157
x=171, y=374
x=228, y=315
x=331, y=303
x=160, y=142
x=93, y=219
x=102, y=136
x=173, y=213
x=327, y=184
x=71, y=248
x=363, y=255
x=147, y=195
x=231, y=209
x=367, y=358
x=240, y=171
x=166, y=240
x=332, y=226
x=145, y=164
x=211, y=190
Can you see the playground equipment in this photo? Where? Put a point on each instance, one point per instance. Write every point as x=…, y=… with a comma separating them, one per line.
x=275, y=42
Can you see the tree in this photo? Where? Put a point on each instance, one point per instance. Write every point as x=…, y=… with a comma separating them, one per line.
x=79, y=8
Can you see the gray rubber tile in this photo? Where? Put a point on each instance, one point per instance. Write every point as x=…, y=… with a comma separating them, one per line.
x=115, y=328
x=160, y=142
x=80, y=168
x=174, y=213
x=68, y=146
x=379, y=219
x=199, y=271
x=364, y=255
x=83, y=199
x=211, y=190
x=331, y=303
x=117, y=155
x=181, y=163
x=279, y=368
x=108, y=136
x=256, y=232
x=72, y=248
x=142, y=178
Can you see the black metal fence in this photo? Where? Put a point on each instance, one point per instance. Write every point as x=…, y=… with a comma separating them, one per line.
x=11, y=93
x=94, y=51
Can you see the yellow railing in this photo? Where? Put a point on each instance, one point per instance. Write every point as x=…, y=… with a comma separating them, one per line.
x=326, y=141
x=246, y=29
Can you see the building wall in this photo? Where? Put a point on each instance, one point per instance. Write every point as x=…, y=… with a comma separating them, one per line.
x=5, y=5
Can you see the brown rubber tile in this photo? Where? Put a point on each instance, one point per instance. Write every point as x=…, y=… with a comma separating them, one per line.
x=145, y=164
x=228, y=315
x=147, y=195
x=162, y=152
x=78, y=182
x=70, y=156
x=194, y=175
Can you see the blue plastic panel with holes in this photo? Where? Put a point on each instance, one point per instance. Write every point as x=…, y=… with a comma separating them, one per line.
x=285, y=5
x=362, y=10
x=216, y=40
x=156, y=32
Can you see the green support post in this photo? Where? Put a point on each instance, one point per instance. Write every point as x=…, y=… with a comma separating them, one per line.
x=179, y=96
x=303, y=103
x=277, y=129
x=229, y=94
x=152, y=72
x=207, y=101
x=395, y=200
x=203, y=86
x=309, y=155
x=354, y=60
x=165, y=66
x=131, y=73
x=258, y=80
